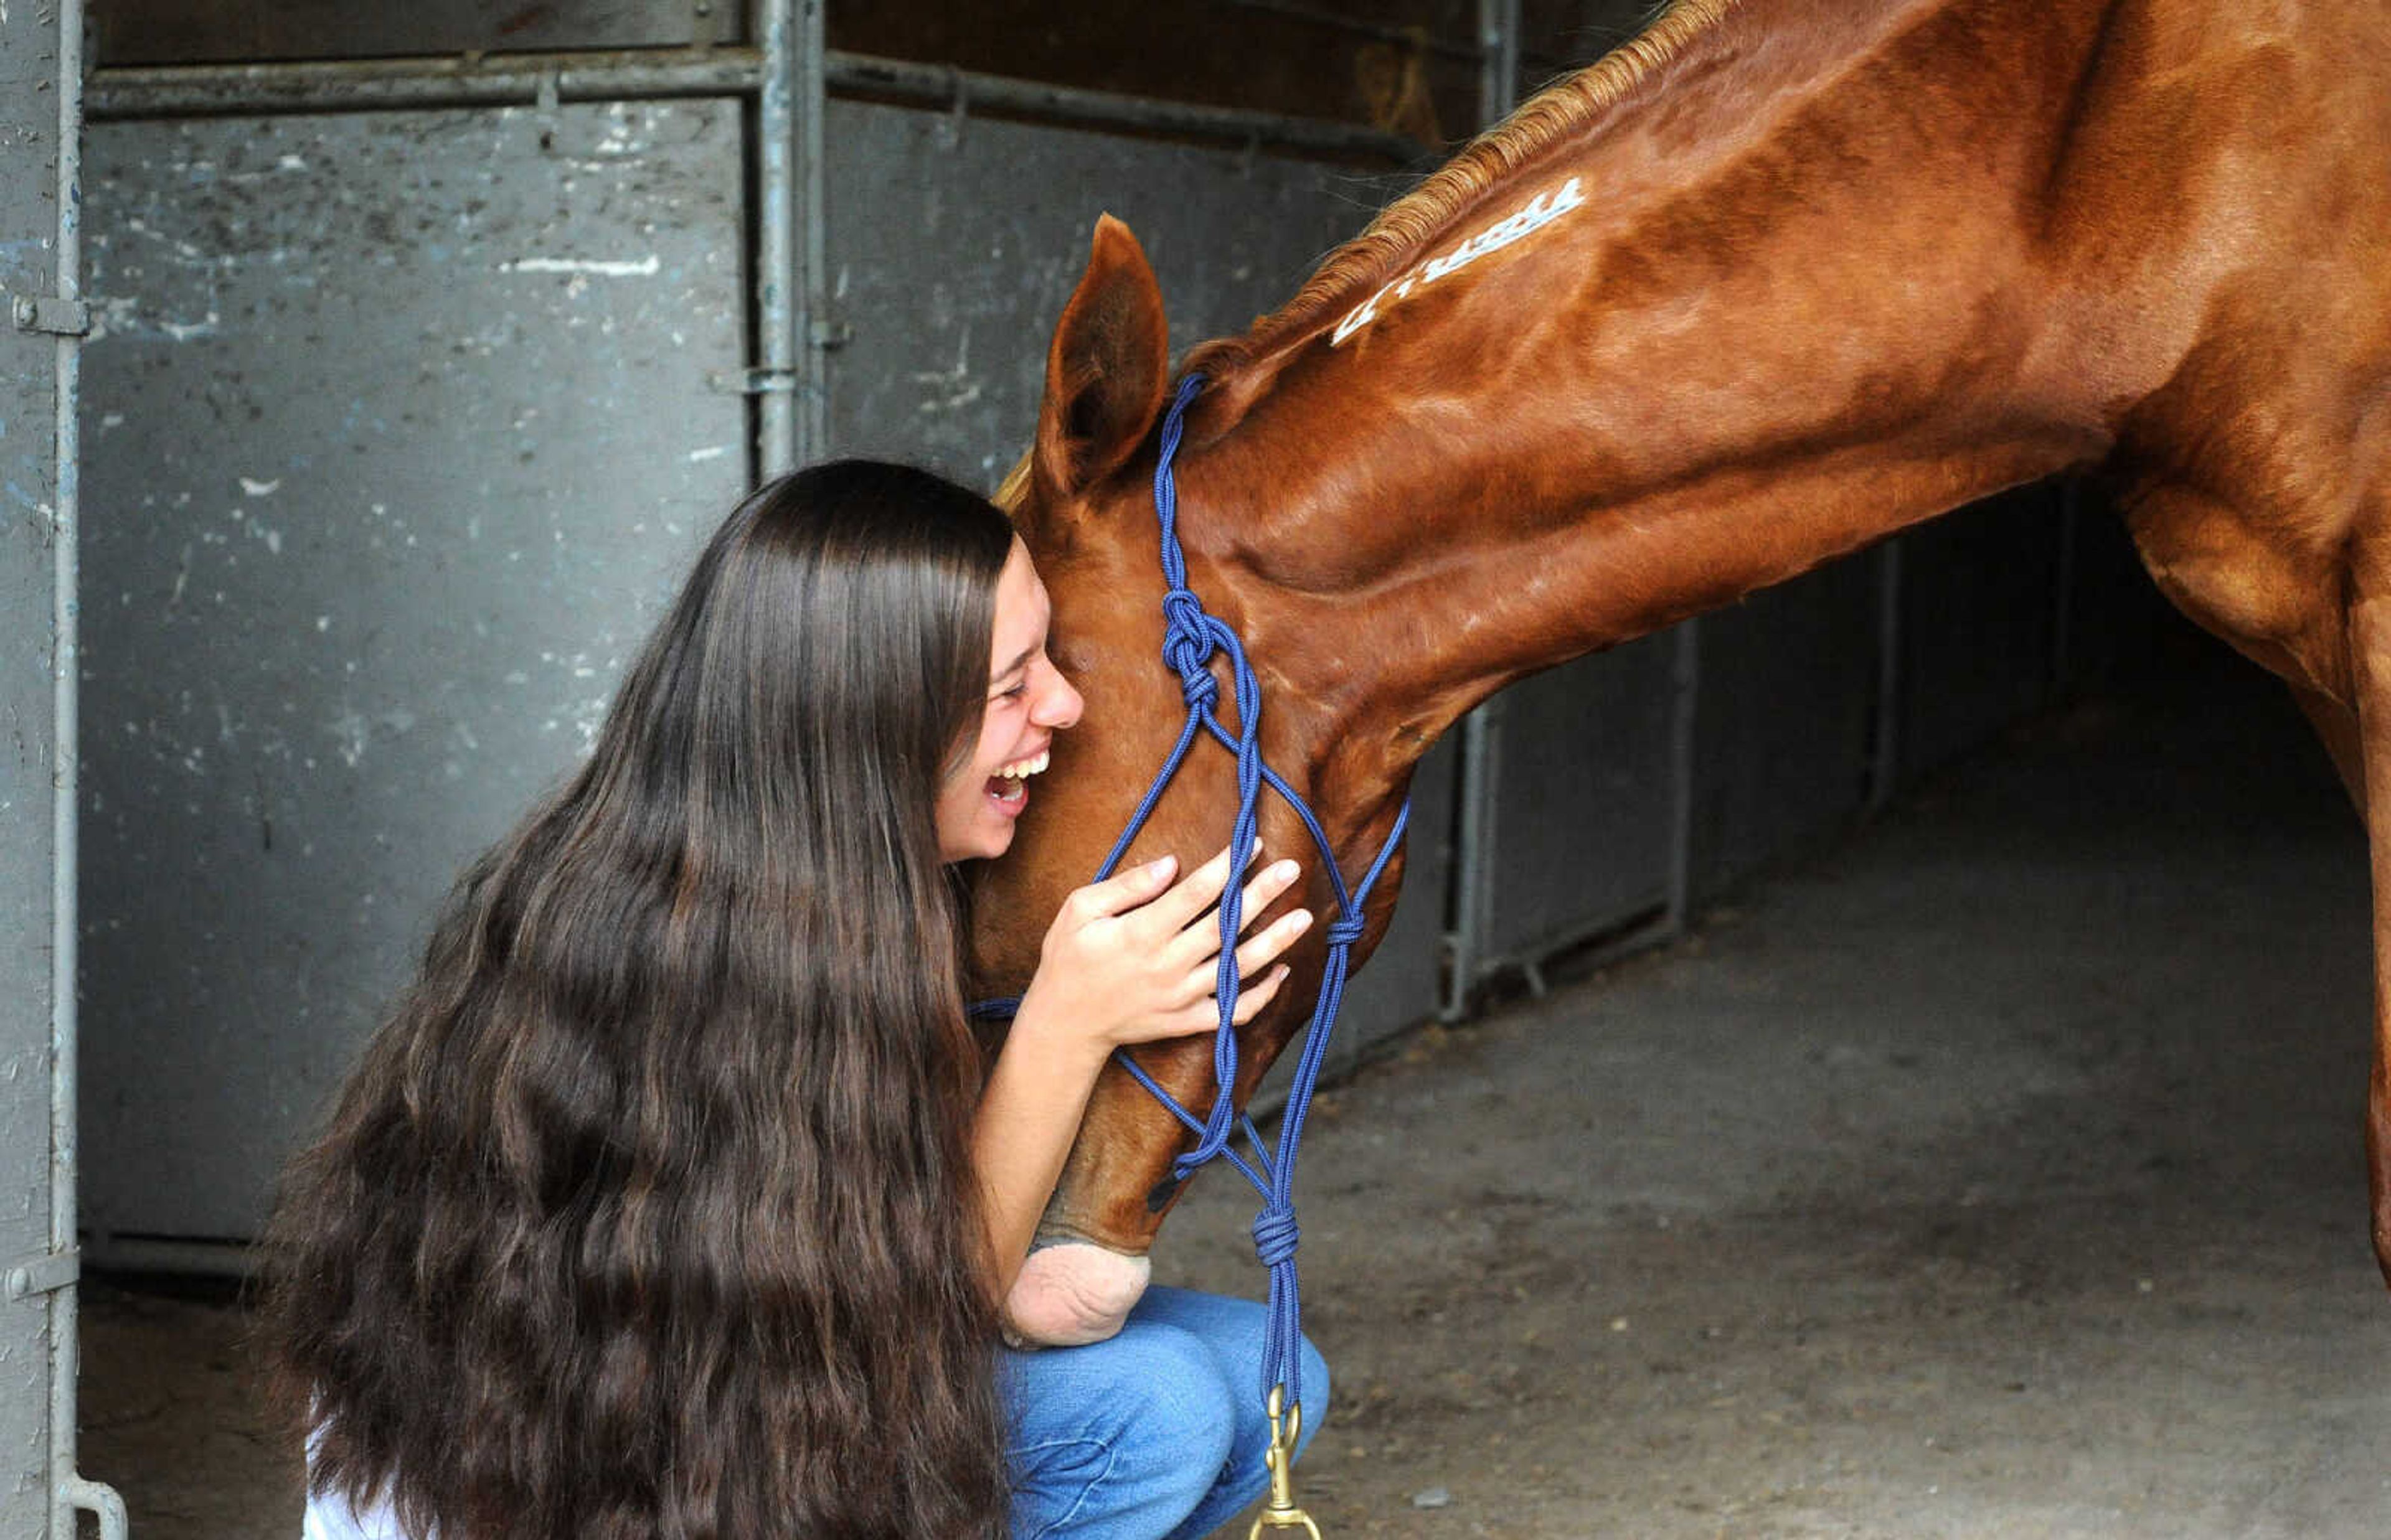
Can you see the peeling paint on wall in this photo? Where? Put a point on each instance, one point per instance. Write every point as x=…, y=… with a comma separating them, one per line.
x=643, y=267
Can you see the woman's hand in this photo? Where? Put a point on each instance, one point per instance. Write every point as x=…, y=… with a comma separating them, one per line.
x=1129, y=959
x=1135, y=957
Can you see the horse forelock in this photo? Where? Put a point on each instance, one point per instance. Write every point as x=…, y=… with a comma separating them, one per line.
x=1398, y=236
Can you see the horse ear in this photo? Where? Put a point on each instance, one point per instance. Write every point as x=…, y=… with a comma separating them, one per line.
x=1106, y=369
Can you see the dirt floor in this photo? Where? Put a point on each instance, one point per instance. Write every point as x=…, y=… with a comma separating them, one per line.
x=1995, y=1173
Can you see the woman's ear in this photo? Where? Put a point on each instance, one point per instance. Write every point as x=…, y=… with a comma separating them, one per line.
x=1106, y=369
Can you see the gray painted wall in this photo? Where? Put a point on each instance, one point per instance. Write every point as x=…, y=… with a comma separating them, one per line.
x=1579, y=835
x=953, y=246
x=28, y=220
x=399, y=429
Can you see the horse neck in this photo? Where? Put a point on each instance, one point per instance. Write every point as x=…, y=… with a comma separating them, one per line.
x=1802, y=304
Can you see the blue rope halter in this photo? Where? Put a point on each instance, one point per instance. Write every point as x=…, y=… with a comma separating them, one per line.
x=1191, y=636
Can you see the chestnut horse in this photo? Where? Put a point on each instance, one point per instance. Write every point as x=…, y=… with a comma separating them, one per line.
x=1770, y=283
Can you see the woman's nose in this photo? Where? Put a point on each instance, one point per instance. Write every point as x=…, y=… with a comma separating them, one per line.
x=1059, y=707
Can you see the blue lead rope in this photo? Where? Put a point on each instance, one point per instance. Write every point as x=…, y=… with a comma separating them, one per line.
x=1190, y=638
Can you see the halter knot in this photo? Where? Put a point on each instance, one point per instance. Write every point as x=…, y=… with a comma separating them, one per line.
x=1196, y=686
x=1275, y=1235
x=1188, y=646
x=1346, y=932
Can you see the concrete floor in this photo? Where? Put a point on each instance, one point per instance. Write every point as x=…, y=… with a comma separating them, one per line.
x=1995, y=1173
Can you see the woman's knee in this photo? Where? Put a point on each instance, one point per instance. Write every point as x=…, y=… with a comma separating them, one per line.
x=1124, y=1435
x=1182, y=1407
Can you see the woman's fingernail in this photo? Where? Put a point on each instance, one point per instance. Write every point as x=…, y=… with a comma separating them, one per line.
x=1301, y=919
x=1160, y=865
x=1285, y=871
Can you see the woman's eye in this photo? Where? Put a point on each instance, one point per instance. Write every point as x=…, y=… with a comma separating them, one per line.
x=1012, y=691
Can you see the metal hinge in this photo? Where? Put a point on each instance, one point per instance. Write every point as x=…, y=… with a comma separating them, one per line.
x=43, y=1274
x=753, y=382
x=49, y=313
x=823, y=336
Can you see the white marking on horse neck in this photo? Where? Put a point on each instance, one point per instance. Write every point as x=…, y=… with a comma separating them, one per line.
x=1542, y=210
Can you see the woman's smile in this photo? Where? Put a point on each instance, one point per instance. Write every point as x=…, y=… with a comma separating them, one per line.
x=1009, y=787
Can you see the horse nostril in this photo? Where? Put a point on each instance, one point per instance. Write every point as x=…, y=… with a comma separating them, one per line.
x=1160, y=1198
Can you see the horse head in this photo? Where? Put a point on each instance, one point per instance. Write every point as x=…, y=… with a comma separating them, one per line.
x=1082, y=502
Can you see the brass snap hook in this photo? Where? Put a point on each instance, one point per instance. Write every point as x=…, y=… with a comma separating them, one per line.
x=1281, y=1513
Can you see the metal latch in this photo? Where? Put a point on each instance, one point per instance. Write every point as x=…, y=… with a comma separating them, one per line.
x=60, y=317
x=43, y=1274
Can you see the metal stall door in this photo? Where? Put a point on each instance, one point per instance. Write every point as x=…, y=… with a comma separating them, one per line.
x=1580, y=816
x=401, y=426
x=954, y=242
x=1783, y=740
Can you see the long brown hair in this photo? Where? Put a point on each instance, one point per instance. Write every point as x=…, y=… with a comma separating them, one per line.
x=648, y=1213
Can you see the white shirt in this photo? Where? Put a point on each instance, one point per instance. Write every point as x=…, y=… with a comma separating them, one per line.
x=331, y=1519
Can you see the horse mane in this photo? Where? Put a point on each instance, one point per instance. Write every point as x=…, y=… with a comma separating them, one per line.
x=1014, y=491
x=1394, y=239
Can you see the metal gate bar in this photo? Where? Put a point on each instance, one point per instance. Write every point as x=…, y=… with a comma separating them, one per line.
x=362, y=85
x=780, y=187
x=69, y=1492
x=352, y=85
x=1498, y=92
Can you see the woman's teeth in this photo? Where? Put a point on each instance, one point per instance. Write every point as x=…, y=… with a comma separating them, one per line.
x=1022, y=769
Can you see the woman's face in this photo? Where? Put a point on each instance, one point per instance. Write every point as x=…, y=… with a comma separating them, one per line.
x=1028, y=703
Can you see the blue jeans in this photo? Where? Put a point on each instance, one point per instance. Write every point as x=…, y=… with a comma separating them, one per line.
x=1157, y=1433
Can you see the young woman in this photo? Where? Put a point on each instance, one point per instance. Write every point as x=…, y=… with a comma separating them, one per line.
x=675, y=1198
